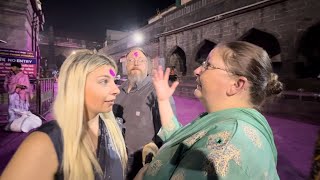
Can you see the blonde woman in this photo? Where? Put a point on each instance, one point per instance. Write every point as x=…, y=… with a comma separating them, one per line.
x=85, y=141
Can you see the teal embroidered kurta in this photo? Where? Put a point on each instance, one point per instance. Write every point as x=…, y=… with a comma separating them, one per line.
x=230, y=144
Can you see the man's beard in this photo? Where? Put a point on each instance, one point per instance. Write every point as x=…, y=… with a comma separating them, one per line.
x=136, y=78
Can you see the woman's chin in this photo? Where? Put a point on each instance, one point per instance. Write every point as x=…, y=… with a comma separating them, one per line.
x=107, y=109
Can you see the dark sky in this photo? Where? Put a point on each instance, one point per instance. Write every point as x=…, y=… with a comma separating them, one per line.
x=90, y=18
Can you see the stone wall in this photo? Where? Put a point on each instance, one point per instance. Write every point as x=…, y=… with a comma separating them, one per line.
x=190, y=25
x=16, y=25
x=286, y=21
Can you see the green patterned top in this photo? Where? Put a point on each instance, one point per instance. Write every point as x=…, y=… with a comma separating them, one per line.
x=230, y=144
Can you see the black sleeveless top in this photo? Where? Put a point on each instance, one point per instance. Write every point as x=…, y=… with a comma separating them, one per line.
x=109, y=160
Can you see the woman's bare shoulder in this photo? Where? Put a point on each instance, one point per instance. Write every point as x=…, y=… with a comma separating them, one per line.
x=35, y=159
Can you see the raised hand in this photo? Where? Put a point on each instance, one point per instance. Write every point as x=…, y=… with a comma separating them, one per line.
x=161, y=84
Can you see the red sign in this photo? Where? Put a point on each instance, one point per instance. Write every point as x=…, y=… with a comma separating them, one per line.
x=27, y=59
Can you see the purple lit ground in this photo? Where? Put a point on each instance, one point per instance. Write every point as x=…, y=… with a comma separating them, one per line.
x=294, y=139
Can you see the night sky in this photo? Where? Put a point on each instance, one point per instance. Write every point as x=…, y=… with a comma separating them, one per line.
x=88, y=19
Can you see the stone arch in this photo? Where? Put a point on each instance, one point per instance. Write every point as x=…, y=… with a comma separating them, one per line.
x=309, y=48
x=268, y=42
x=263, y=39
x=203, y=50
x=177, y=58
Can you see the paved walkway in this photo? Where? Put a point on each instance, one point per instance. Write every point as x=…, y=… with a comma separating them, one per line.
x=294, y=139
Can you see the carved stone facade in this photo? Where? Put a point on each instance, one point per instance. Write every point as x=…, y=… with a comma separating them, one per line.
x=54, y=49
x=187, y=33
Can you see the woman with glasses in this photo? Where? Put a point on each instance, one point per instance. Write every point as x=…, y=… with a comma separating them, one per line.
x=232, y=140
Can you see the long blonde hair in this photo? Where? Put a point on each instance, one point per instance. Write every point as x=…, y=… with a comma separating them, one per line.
x=79, y=160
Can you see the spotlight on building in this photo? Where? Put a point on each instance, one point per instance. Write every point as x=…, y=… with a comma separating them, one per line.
x=138, y=37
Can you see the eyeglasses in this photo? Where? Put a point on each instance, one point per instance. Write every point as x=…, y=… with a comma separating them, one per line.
x=139, y=61
x=207, y=66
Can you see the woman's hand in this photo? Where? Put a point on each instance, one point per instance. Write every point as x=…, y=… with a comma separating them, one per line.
x=141, y=173
x=161, y=84
x=21, y=86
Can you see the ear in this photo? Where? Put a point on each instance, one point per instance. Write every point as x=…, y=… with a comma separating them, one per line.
x=239, y=84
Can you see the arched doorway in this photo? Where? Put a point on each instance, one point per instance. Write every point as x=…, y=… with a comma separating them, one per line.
x=268, y=42
x=178, y=59
x=309, y=47
x=203, y=51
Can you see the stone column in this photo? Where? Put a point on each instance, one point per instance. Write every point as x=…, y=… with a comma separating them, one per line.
x=16, y=18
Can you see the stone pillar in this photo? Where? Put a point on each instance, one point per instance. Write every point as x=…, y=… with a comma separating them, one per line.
x=162, y=47
x=51, y=49
x=17, y=18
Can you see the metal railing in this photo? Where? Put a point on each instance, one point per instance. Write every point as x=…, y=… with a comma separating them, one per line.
x=45, y=94
x=301, y=95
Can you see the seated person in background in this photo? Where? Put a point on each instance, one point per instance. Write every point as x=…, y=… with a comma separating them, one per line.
x=18, y=86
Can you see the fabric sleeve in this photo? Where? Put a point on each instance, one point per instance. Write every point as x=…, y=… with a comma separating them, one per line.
x=11, y=85
x=173, y=106
x=162, y=134
x=166, y=133
x=26, y=82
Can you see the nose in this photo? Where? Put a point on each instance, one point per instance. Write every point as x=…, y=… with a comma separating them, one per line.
x=197, y=71
x=136, y=62
x=115, y=89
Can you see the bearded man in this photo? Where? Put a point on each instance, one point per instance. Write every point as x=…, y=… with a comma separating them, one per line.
x=137, y=105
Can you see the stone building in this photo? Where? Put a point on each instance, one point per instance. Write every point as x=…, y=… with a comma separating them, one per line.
x=21, y=21
x=183, y=35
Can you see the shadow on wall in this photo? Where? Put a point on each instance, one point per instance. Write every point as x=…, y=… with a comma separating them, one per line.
x=309, y=48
